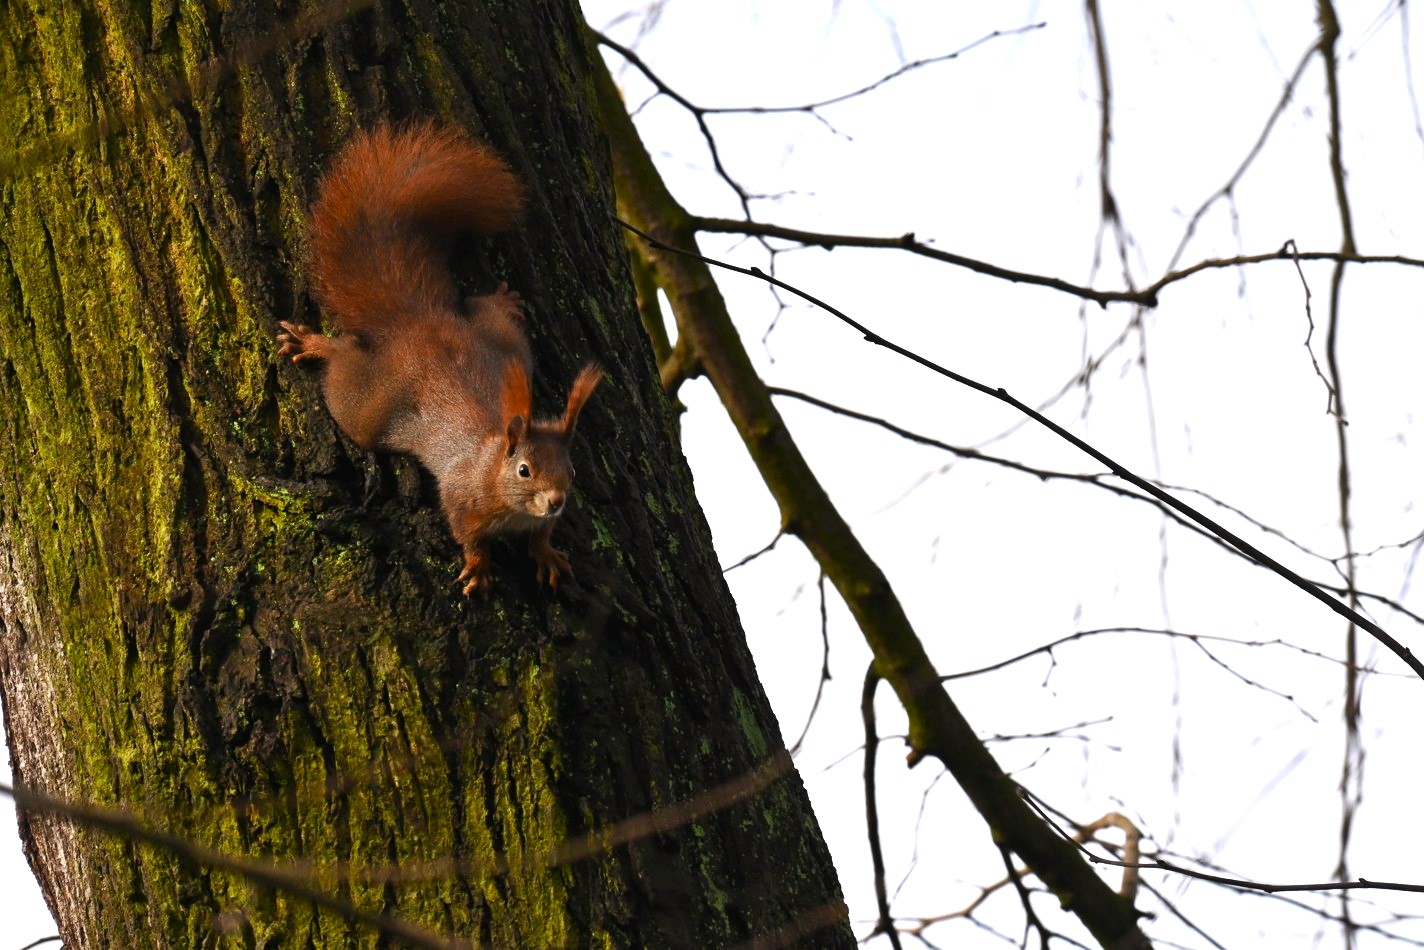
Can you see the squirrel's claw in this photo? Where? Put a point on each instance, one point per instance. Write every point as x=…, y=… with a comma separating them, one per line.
x=475, y=575
x=550, y=564
x=498, y=303
x=477, y=581
x=299, y=342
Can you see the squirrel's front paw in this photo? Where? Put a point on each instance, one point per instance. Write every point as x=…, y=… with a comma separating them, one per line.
x=500, y=302
x=476, y=575
x=300, y=342
x=550, y=563
x=507, y=299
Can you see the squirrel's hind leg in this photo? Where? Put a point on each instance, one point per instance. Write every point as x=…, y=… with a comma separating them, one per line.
x=360, y=397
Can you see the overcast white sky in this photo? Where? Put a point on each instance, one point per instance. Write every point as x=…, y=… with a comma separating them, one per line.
x=995, y=156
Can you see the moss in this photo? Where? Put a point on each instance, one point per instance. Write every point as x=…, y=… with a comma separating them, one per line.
x=748, y=720
x=245, y=662
x=279, y=501
x=603, y=536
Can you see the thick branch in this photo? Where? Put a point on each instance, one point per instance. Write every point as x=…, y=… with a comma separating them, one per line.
x=936, y=725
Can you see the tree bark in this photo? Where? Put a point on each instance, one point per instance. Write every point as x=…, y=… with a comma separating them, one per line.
x=221, y=617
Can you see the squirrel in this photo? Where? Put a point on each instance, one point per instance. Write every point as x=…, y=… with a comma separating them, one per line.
x=412, y=371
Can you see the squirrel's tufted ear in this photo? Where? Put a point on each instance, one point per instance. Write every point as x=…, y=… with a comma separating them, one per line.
x=584, y=384
x=515, y=396
x=513, y=434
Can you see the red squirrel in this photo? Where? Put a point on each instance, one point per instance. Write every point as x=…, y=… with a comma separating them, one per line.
x=413, y=372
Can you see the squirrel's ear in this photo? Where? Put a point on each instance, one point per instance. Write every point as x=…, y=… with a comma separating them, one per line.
x=584, y=385
x=513, y=434
x=515, y=396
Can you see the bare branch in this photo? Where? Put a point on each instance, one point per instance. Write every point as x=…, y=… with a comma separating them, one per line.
x=885, y=924
x=1146, y=297
x=825, y=676
x=699, y=115
x=1345, y=610
x=41, y=942
x=1131, y=849
x=1330, y=406
x=1177, y=913
x=937, y=727
x=1228, y=189
x=1237, y=883
x=1031, y=915
x=766, y=549
x=1351, y=779
x=883, y=80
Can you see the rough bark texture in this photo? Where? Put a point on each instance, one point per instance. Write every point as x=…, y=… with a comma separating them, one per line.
x=217, y=613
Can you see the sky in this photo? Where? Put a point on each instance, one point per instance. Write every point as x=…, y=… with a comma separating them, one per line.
x=1224, y=751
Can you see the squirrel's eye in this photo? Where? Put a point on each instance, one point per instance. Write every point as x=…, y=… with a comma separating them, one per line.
x=523, y=470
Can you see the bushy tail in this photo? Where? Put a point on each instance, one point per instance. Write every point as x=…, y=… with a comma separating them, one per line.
x=385, y=213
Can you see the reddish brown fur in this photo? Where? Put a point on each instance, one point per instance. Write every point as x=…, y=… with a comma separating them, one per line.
x=413, y=373
x=385, y=213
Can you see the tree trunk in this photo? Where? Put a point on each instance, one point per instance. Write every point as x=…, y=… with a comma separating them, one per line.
x=219, y=615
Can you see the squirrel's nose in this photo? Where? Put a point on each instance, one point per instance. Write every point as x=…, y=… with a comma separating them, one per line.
x=556, y=502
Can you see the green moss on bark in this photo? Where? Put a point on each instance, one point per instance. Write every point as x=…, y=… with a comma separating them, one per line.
x=228, y=620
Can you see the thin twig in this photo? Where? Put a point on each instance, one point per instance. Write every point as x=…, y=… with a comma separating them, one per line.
x=883, y=80
x=1030, y=915
x=825, y=676
x=885, y=924
x=1238, y=883
x=1145, y=297
x=699, y=115
x=1186, y=921
x=755, y=554
x=1228, y=189
x=1250, y=550
x=1310, y=329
